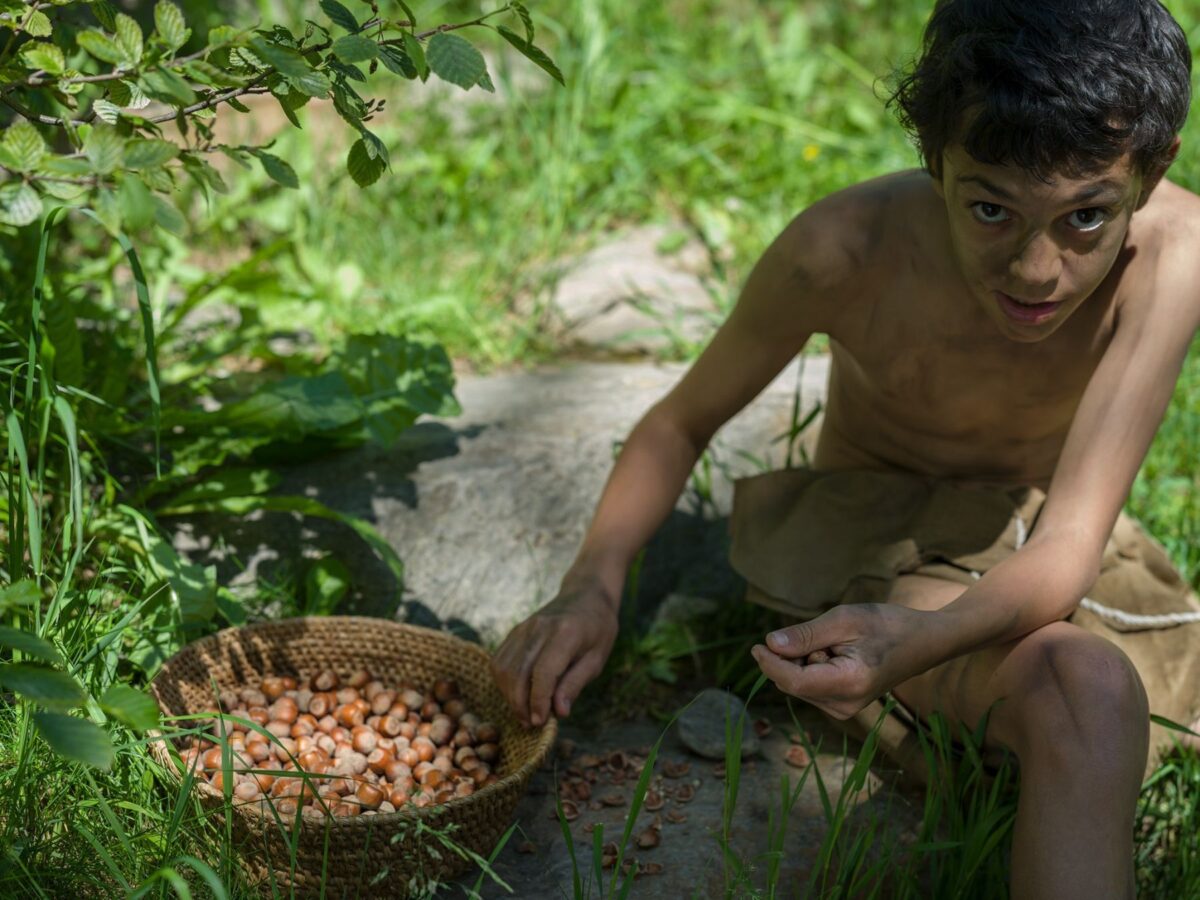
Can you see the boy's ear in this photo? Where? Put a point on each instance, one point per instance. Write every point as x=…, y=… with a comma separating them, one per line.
x=1152, y=178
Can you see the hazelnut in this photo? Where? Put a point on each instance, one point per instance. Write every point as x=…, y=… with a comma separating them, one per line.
x=381, y=703
x=359, y=679
x=272, y=687
x=321, y=704
x=346, y=695
x=488, y=752
x=487, y=733
x=454, y=708
x=371, y=688
x=444, y=690
x=326, y=680
x=370, y=795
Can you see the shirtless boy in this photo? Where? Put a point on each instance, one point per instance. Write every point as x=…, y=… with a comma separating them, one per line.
x=1014, y=315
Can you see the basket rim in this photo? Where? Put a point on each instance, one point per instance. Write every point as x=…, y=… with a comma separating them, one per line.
x=159, y=744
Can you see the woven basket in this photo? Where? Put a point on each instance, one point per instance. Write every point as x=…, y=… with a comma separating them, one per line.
x=381, y=855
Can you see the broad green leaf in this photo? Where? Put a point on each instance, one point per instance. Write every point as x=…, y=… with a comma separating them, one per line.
x=38, y=24
x=29, y=644
x=454, y=59
x=535, y=54
x=100, y=45
x=165, y=85
x=417, y=54
x=76, y=739
x=168, y=217
x=209, y=74
x=145, y=154
x=352, y=48
x=339, y=15
x=129, y=39
x=170, y=25
x=104, y=148
x=127, y=94
x=106, y=111
x=108, y=209
x=19, y=204
x=312, y=83
x=285, y=60
x=376, y=148
x=40, y=684
x=325, y=585
x=19, y=593
x=228, y=482
x=222, y=34
x=137, y=203
x=105, y=14
x=135, y=708
x=292, y=407
x=363, y=168
x=25, y=145
x=526, y=20
x=277, y=169
x=397, y=61
x=45, y=56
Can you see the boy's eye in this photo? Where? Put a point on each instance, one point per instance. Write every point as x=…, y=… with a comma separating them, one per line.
x=989, y=213
x=1087, y=219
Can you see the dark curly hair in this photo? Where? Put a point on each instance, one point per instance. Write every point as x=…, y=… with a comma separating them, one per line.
x=1050, y=86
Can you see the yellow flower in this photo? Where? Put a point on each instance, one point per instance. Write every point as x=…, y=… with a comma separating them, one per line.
x=811, y=152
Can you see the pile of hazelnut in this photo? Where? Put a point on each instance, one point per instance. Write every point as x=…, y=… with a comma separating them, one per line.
x=345, y=747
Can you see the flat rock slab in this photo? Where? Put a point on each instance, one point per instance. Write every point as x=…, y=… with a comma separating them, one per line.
x=537, y=861
x=488, y=509
x=702, y=725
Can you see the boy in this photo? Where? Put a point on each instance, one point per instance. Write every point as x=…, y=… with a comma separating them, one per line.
x=1006, y=329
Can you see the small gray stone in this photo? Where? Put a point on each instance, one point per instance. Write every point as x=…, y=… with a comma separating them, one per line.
x=702, y=724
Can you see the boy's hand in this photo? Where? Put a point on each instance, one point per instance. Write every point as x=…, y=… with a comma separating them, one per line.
x=848, y=657
x=554, y=653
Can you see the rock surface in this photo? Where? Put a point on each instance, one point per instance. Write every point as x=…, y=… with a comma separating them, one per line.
x=487, y=510
x=702, y=724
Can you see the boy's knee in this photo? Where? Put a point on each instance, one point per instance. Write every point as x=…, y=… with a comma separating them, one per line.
x=1081, y=694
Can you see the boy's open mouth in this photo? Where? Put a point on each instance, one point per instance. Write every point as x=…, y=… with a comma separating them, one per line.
x=1026, y=313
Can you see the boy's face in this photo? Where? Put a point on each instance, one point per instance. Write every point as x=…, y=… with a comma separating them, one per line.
x=1032, y=252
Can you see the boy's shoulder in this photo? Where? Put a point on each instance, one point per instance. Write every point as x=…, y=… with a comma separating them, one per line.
x=1163, y=236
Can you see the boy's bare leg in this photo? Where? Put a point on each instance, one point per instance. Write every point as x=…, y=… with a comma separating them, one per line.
x=1074, y=712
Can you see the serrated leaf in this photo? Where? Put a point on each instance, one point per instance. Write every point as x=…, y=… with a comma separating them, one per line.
x=376, y=148
x=312, y=83
x=397, y=61
x=104, y=149
x=352, y=48
x=534, y=54
x=170, y=25
x=136, y=202
x=100, y=45
x=285, y=60
x=45, y=56
x=19, y=204
x=277, y=169
x=76, y=739
x=168, y=217
x=339, y=15
x=105, y=14
x=526, y=20
x=42, y=685
x=364, y=168
x=25, y=146
x=212, y=75
x=38, y=24
x=417, y=54
x=135, y=708
x=163, y=84
x=127, y=94
x=145, y=154
x=106, y=111
x=455, y=60
x=108, y=210
x=29, y=644
x=130, y=39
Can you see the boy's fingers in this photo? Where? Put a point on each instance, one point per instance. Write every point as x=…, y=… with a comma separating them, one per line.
x=797, y=640
x=546, y=671
x=819, y=681
x=576, y=678
x=514, y=665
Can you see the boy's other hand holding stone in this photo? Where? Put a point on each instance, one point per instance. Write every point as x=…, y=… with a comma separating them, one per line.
x=843, y=660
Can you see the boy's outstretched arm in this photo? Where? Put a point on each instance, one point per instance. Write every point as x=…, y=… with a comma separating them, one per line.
x=877, y=646
x=791, y=293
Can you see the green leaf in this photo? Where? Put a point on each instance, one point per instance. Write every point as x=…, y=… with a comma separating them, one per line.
x=104, y=148
x=29, y=644
x=100, y=45
x=526, y=20
x=285, y=60
x=130, y=39
x=127, y=94
x=364, y=168
x=325, y=585
x=339, y=15
x=136, y=202
x=106, y=111
x=228, y=482
x=25, y=145
x=76, y=739
x=454, y=59
x=40, y=684
x=352, y=48
x=45, y=56
x=168, y=217
x=397, y=61
x=105, y=14
x=312, y=83
x=38, y=24
x=535, y=54
x=417, y=54
x=144, y=154
x=277, y=169
x=19, y=593
x=212, y=75
x=19, y=204
x=170, y=25
x=165, y=85
x=135, y=708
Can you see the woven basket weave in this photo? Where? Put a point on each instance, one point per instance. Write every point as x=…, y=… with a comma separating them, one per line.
x=348, y=854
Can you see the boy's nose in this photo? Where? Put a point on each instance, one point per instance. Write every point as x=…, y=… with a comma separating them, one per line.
x=1035, y=269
